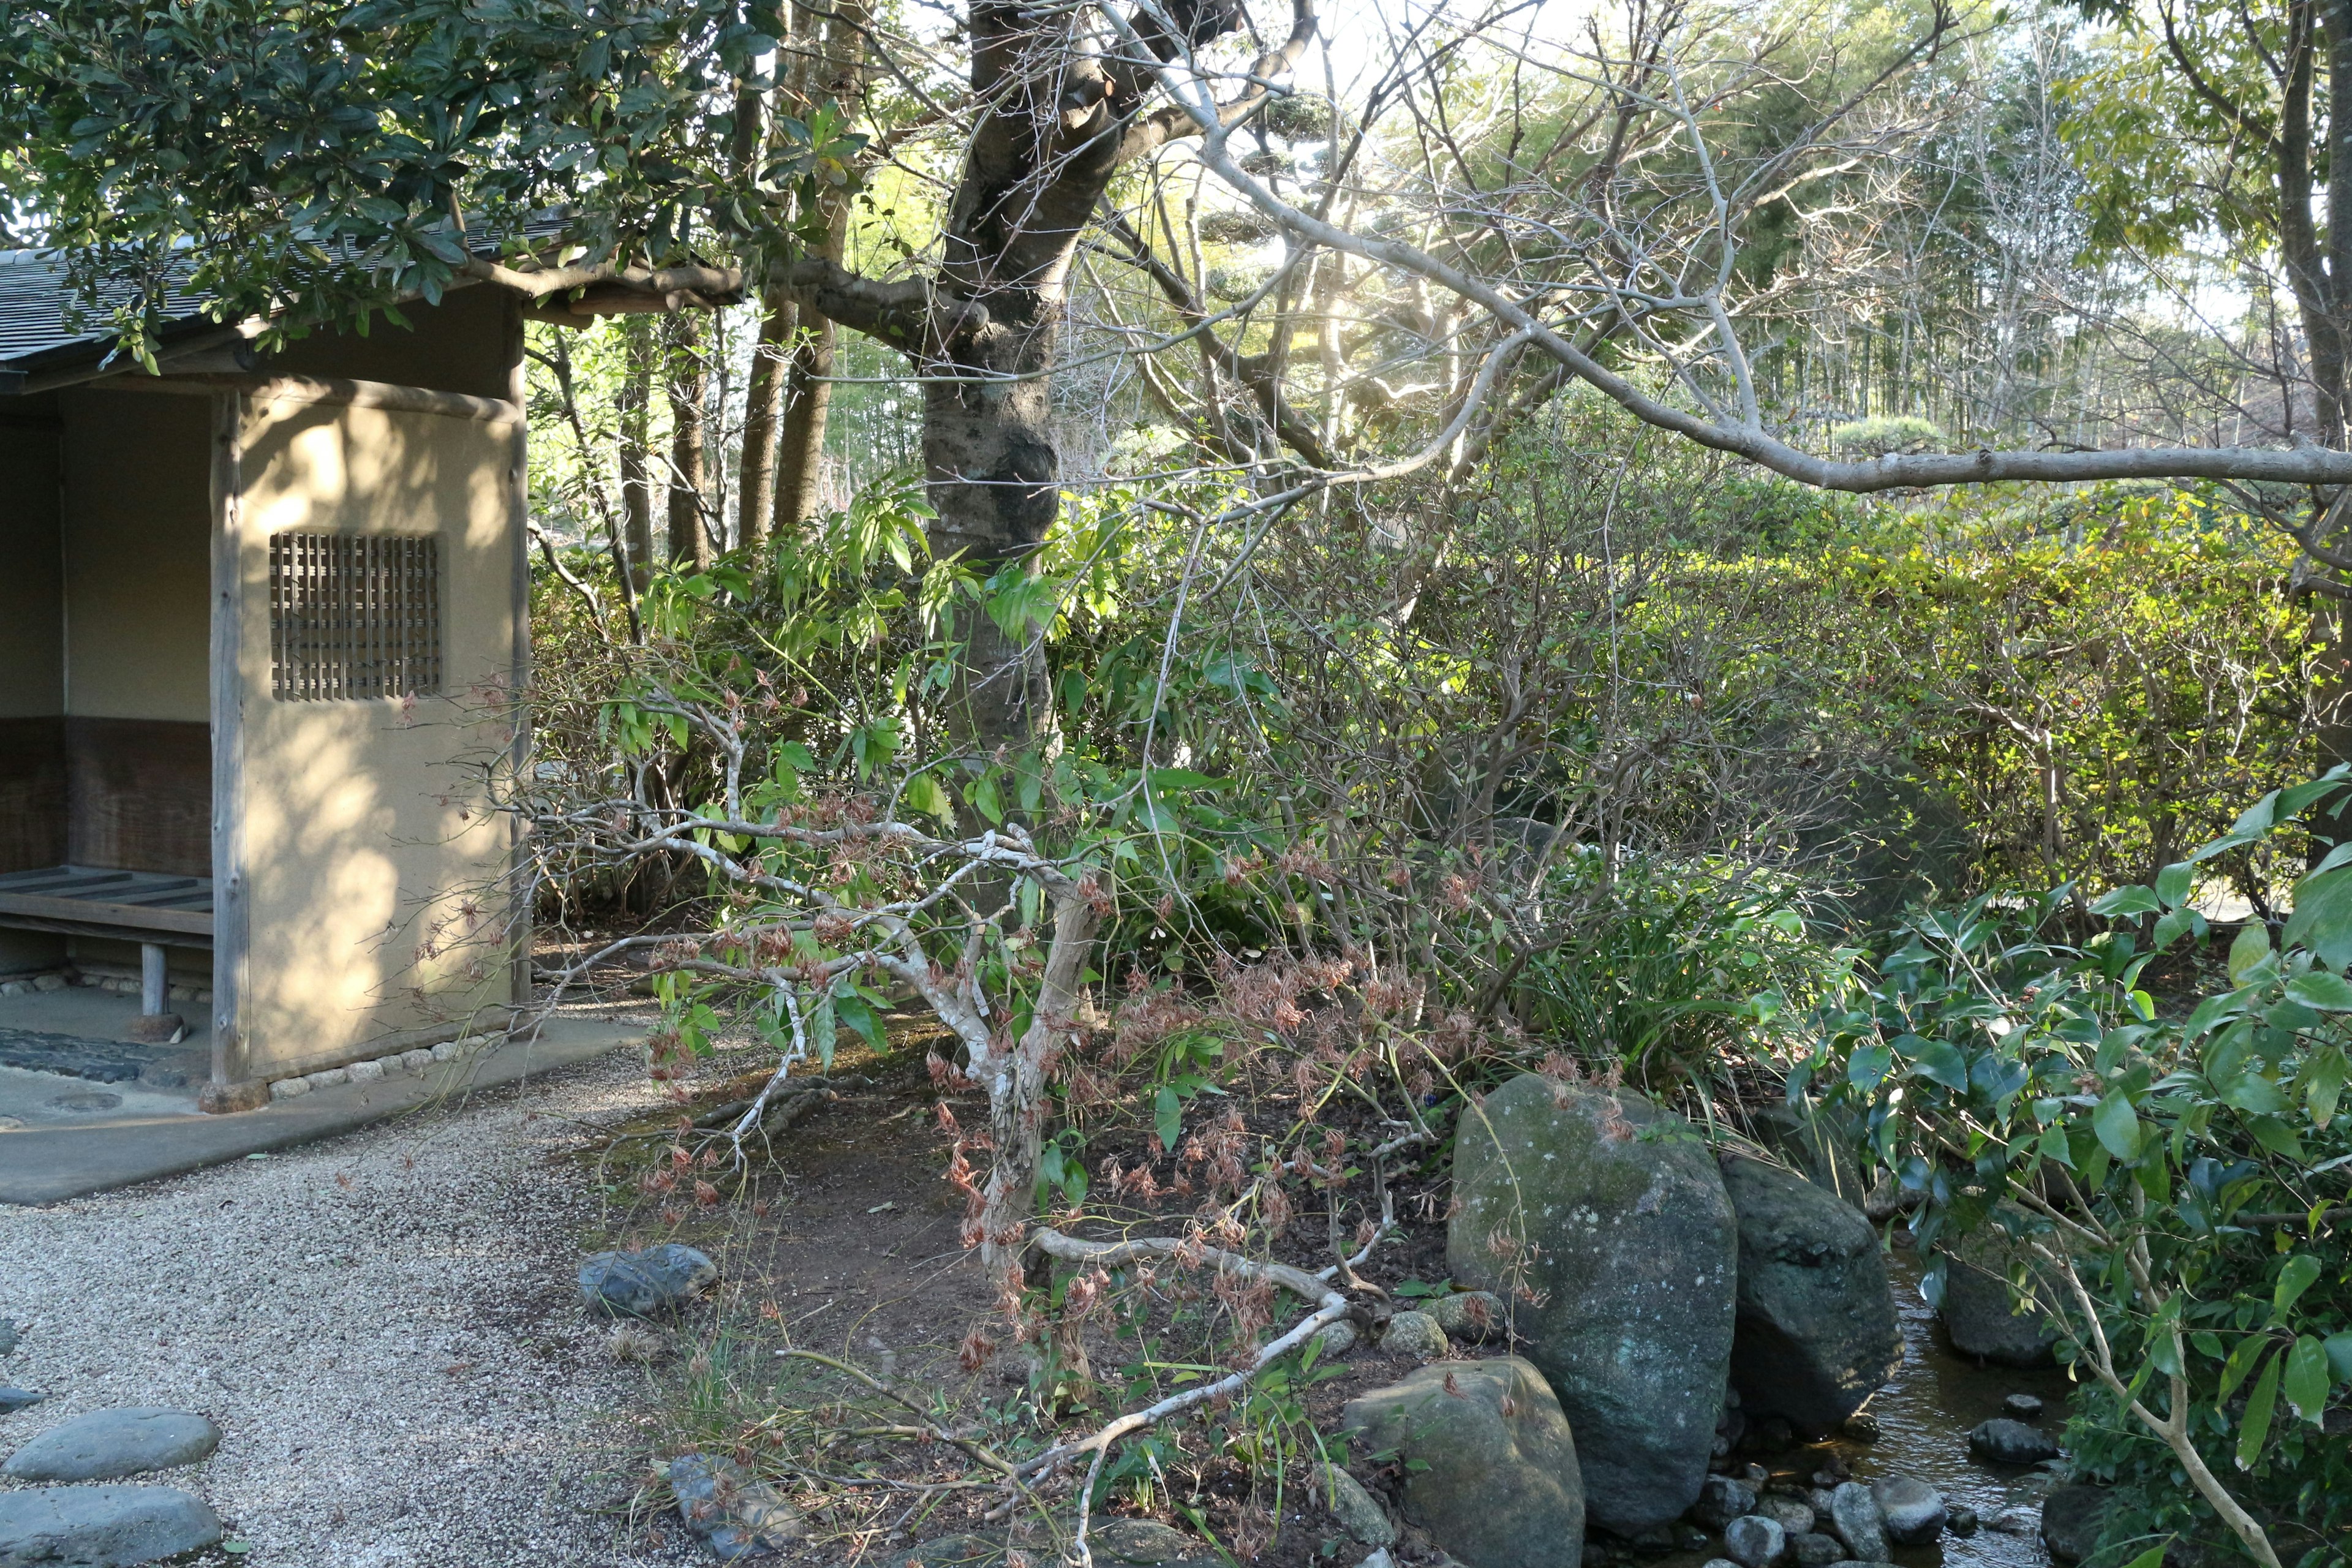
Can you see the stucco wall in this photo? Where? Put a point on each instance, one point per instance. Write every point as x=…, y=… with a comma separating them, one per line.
x=469, y=342
x=138, y=555
x=364, y=847
x=32, y=658
x=32, y=641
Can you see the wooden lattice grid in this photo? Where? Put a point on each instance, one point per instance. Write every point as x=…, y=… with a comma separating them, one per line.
x=354, y=616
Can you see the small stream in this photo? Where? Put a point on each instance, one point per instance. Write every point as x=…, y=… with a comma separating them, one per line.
x=1924, y=1416
x=1924, y=1419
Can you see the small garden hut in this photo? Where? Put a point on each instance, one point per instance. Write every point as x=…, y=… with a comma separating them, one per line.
x=252, y=611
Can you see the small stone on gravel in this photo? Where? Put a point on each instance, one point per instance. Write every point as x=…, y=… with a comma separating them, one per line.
x=639, y=1284
x=1143, y=1542
x=736, y=1516
x=106, y=1444
x=7, y=1335
x=102, y=1527
x=2024, y=1406
x=14, y=1399
x=2010, y=1442
x=1756, y=1541
x=1415, y=1334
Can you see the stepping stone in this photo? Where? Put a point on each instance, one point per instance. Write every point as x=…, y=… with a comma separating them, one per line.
x=102, y=1527
x=105, y=1444
x=14, y=1399
x=639, y=1284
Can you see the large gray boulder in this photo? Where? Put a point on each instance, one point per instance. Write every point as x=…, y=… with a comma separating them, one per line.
x=101, y=1527
x=1817, y=1330
x=1496, y=1483
x=1980, y=1307
x=1611, y=1215
x=106, y=1443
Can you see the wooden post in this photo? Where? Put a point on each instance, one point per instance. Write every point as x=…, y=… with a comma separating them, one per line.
x=231, y=1086
x=519, y=883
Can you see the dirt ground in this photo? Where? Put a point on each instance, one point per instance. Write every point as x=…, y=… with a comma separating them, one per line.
x=846, y=1243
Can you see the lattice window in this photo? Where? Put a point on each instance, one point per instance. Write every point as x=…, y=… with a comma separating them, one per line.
x=354, y=617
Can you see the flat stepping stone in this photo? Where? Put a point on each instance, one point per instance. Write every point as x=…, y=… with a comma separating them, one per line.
x=106, y=1444
x=102, y=1527
x=639, y=1284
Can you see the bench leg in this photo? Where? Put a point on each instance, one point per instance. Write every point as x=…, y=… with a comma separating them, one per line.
x=152, y=983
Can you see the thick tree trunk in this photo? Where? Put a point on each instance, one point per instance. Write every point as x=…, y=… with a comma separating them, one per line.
x=689, y=383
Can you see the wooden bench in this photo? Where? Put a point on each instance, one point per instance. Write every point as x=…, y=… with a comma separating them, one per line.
x=152, y=908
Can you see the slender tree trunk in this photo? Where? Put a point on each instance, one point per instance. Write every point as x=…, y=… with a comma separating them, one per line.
x=799, y=456
x=1016, y=1081
x=836, y=75
x=636, y=466
x=763, y=404
x=689, y=383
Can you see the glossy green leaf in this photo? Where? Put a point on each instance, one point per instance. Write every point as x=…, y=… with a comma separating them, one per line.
x=2322, y=991
x=2322, y=917
x=2117, y=1126
x=2255, y=1429
x=2241, y=1363
x=2128, y=902
x=1941, y=1061
x=927, y=795
x=2174, y=883
x=2293, y=1279
x=1167, y=1116
x=2306, y=1381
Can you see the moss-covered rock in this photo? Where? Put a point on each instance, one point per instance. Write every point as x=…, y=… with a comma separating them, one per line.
x=1610, y=1217
x=1489, y=1464
x=1817, y=1332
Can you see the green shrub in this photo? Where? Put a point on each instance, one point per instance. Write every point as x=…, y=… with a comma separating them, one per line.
x=2183, y=1172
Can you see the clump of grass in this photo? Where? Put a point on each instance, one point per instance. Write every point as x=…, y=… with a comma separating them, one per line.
x=633, y=1341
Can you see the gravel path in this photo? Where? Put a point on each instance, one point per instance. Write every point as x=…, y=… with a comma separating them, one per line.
x=383, y=1325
